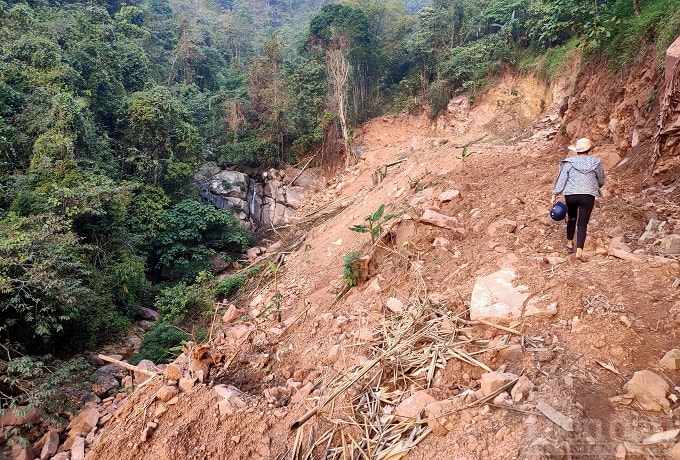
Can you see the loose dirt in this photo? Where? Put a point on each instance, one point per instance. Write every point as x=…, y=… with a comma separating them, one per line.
x=613, y=316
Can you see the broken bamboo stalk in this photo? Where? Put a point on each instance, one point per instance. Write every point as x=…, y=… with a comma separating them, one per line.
x=127, y=366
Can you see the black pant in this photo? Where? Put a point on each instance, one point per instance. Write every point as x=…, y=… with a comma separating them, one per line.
x=579, y=208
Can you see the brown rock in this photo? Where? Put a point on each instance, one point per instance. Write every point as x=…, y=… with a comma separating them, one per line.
x=167, y=392
x=493, y=381
x=501, y=227
x=671, y=360
x=395, y=305
x=173, y=372
x=302, y=393
x=333, y=354
x=412, y=406
x=83, y=422
x=186, y=383
x=440, y=220
x=78, y=449
x=646, y=390
x=20, y=416
x=147, y=365
x=230, y=315
x=22, y=453
x=623, y=255
x=448, y=195
x=522, y=389
x=51, y=445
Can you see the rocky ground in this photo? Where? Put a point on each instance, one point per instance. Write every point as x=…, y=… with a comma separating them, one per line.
x=471, y=334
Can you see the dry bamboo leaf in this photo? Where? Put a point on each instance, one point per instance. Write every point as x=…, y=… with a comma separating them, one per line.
x=609, y=367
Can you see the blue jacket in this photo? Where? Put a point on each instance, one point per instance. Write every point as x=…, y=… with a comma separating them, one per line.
x=580, y=174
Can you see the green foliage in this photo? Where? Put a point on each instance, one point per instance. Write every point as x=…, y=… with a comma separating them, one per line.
x=190, y=232
x=351, y=266
x=180, y=301
x=658, y=23
x=227, y=287
x=42, y=278
x=374, y=223
x=161, y=344
x=36, y=381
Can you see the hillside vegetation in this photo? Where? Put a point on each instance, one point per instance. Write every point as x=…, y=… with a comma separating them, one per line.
x=108, y=109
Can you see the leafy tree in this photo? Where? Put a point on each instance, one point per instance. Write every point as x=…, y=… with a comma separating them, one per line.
x=191, y=232
x=159, y=132
x=345, y=37
x=42, y=273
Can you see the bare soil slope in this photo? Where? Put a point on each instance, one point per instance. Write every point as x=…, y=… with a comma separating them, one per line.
x=404, y=333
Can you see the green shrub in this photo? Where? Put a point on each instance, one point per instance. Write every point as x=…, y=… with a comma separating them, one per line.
x=350, y=272
x=161, y=344
x=190, y=233
x=658, y=23
x=176, y=303
x=36, y=380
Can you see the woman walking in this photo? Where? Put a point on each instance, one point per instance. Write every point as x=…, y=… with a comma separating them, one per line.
x=579, y=180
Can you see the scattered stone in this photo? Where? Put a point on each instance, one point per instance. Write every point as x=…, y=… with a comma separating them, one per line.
x=670, y=245
x=230, y=315
x=147, y=314
x=22, y=453
x=173, y=372
x=104, y=383
x=655, y=229
x=440, y=220
x=540, y=306
x=395, y=305
x=167, y=392
x=441, y=243
x=448, y=195
x=494, y=298
x=558, y=418
x=617, y=231
x=83, y=422
x=51, y=445
x=620, y=453
x=302, y=393
x=233, y=399
x=493, y=381
x=20, y=416
x=147, y=365
x=78, y=449
x=366, y=335
x=623, y=255
x=441, y=415
x=501, y=226
x=186, y=383
x=160, y=410
x=238, y=332
x=671, y=360
x=646, y=390
x=522, y=389
x=503, y=399
x=412, y=406
x=333, y=355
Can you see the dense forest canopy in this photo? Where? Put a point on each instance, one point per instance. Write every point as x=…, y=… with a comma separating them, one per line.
x=108, y=108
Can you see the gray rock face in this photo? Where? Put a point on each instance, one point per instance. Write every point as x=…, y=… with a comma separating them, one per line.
x=268, y=204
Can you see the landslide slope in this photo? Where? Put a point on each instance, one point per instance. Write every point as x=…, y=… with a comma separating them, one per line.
x=404, y=333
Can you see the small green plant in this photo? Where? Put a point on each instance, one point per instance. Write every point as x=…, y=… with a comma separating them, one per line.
x=374, y=223
x=161, y=344
x=350, y=272
x=465, y=153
